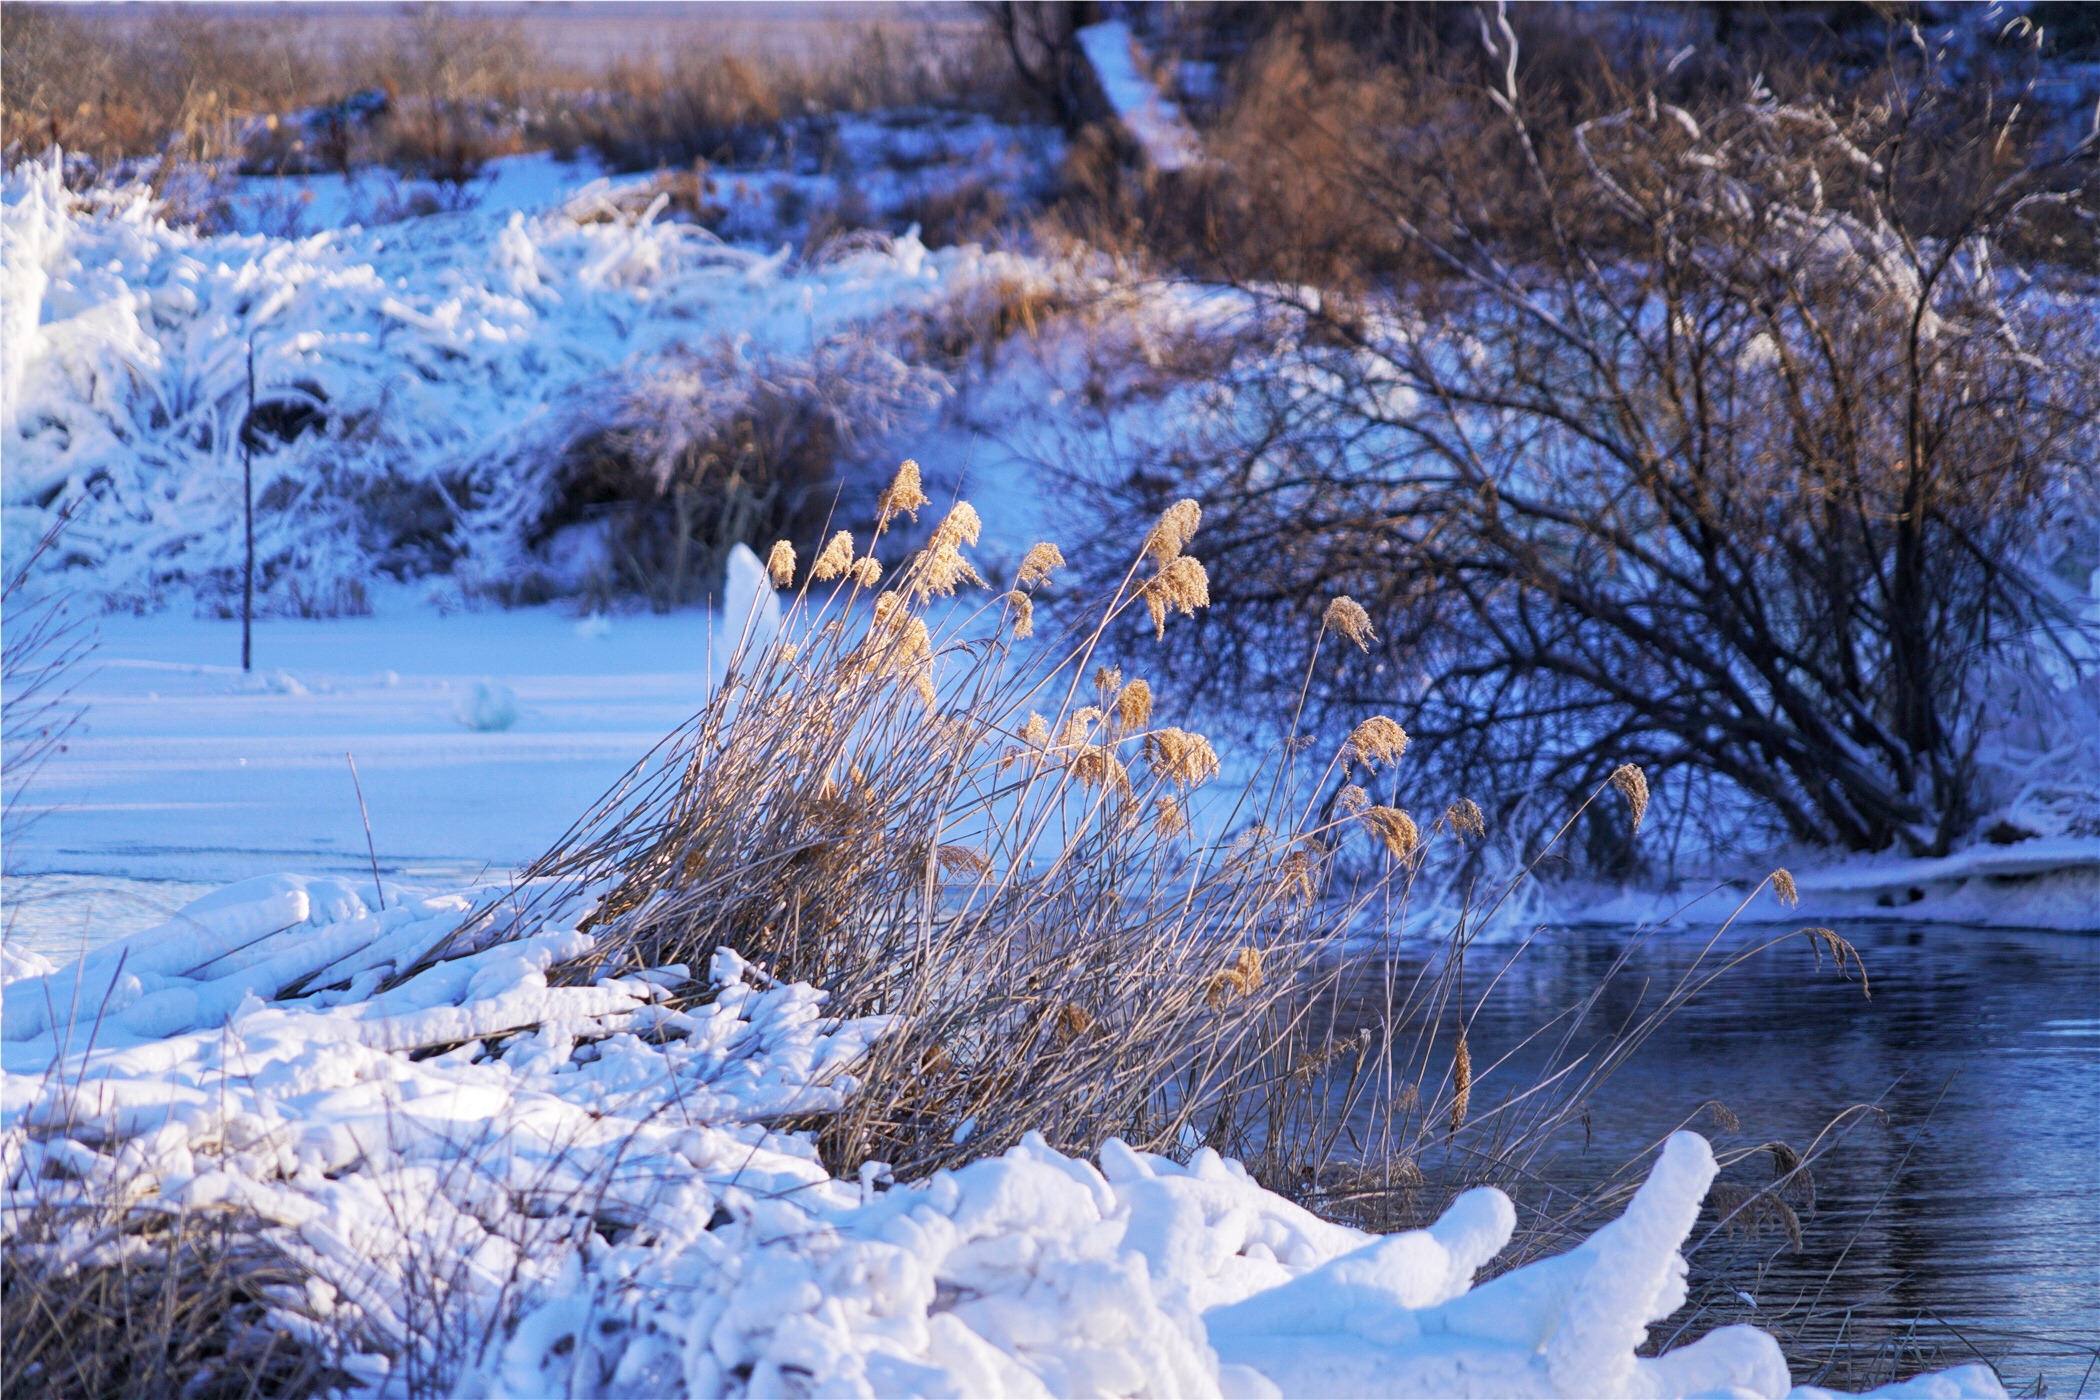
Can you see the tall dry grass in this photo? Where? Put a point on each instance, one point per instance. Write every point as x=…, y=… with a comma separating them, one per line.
x=958, y=802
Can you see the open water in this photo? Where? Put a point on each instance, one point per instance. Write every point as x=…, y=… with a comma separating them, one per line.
x=1960, y=1218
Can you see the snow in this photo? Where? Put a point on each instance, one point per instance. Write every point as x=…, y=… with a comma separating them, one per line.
x=591, y=1175
x=1155, y=123
x=186, y=770
x=2050, y=882
x=452, y=358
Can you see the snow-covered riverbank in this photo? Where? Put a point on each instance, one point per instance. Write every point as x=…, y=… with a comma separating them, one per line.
x=587, y=1179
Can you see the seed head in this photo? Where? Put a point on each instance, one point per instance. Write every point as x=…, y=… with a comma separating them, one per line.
x=1096, y=765
x=835, y=560
x=1134, y=705
x=1297, y=875
x=1351, y=800
x=781, y=563
x=1036, y=733
x=1107, y=680
x=1240, y=977
x=867, y=571
x=1466, y=818
x=962, y=860
x=1184, y=759
x=961, y=527
x=1629, y=779
x=1037, y=563
x=1182, y=586
x=1393, y=828
x=1461, y=1082
x=1377, y=740
x=905, y=494
x=942, y=566
x=1073, y=1021
x=1024, y=613
x=1783, y=886
x=1169, y=817
x=1176, y=527
x=1078, y=726
x=1346, y=617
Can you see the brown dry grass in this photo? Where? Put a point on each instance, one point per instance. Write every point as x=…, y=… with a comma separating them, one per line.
x=104, y=1300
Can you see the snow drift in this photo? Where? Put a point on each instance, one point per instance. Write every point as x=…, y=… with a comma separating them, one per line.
x=599, y=1183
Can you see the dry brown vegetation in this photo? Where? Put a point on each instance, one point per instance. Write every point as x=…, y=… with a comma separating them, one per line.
x=438, y=90
x=108, y=1300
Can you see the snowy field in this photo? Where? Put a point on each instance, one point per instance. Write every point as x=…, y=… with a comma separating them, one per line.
x=187, y=771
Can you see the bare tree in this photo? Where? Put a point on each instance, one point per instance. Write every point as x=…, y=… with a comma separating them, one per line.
x=1735, y=463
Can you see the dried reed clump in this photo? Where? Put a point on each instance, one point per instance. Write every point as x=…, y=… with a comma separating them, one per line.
x=1024, y=614
x=904, y=496
x=1630, y=780
x=1377, y=740
x=1242, y=977
x=1783, y=887
x=1180, y=757
x=1134, y=705
x=1723, y=1116
x=1346, y=616
x=974, y=867
x=780, y=564
x=1036, y=565
x=867, y=571
x=1461, y=1081
x=1393, y=828
x=1841, y=950
x=835, y=560
x=1466, y=818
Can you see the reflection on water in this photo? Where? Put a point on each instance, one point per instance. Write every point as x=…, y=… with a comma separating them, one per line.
x=1968, y=1217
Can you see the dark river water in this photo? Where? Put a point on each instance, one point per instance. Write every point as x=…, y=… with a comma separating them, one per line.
x=1960, y=1219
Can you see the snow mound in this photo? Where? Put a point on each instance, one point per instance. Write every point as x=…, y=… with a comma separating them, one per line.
x=591, y=1178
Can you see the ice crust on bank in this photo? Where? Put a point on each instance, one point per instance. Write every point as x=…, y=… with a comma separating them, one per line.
x=501, y=1144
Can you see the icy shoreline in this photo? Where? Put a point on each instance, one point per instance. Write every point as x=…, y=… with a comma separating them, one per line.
x=599, y=1181
x=2045, y=883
